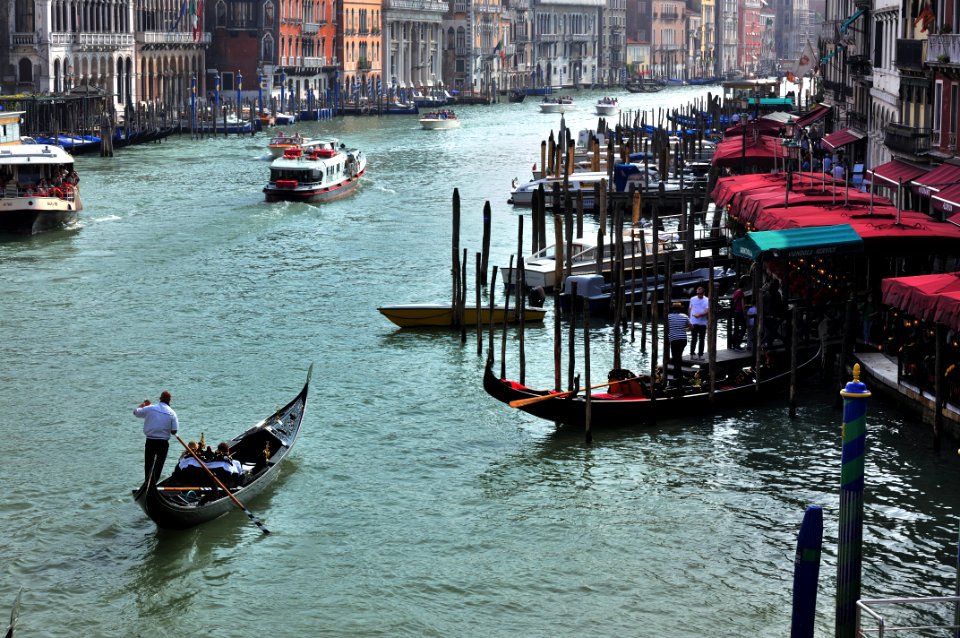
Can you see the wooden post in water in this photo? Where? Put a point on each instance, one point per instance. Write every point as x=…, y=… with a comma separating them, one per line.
x=478, y=308
x=463, y=298
x=654, y=327
x=515, y=280
x=558, y=277
x=543, y=158
x=644, y=313
x=493, y=305
x=588, y=433
x=521, y=305
x=794, y=333
x=712, y=333
x=485, y=255
x=455, y=261
x=571, y=361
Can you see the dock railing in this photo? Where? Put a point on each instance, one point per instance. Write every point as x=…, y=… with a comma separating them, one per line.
x=928, y=616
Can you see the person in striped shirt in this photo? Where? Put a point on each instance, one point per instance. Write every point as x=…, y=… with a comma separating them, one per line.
x=678, y=325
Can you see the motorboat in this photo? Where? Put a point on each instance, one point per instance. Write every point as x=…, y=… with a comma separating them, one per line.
x=38, y=186
x=646, y=177
x=324, y=172
x=561, y=104
x=436, y=120
x=284, y=119
x=607, y=106
x=539, y=269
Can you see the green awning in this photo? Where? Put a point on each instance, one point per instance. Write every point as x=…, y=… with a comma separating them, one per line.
x=776, y=101
x=815, y=241
x=846, y=23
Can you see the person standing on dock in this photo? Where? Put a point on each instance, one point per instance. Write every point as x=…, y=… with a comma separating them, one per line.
x=699, y=314
x=159, y=424
x=739, y=308
x=678, y=325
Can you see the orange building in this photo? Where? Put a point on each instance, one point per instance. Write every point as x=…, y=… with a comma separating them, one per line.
x=359, y=51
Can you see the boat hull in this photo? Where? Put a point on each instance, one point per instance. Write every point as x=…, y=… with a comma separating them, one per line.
x=312, y=194
x=555, y=108
x=170, y=510
x=438, y=124
x=30, y=215
x=607, y=410
x=607, y=109
x=441, y=315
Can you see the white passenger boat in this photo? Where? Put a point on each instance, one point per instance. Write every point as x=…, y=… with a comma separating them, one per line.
x=436, y=120
x=647, y=179
x=284, y=119
x=539, y=270
x=325, y=172
x=38, y=187
x=552, y=104
x=607, y=106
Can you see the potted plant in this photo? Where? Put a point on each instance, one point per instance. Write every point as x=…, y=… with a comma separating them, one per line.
x=946, y=28
x=943, y=58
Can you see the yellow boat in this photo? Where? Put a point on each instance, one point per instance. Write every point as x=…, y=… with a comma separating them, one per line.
x=441, y=315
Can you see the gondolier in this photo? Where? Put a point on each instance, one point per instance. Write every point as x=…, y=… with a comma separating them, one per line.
x=159, y=424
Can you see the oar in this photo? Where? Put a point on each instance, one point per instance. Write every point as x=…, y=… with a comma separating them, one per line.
x=249, y=514
x=519, y=403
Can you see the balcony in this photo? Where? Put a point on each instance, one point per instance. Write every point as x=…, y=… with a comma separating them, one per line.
x=315, y=63
x=839, y=90
x=104, y=41
x=944, y=49
x=309, y=28
x=363, y=64
x=857, y=120
x=549, y=37
x=25, y=39
x=906, y=139
x=487, y=7
x=56, y=39
x=910, y=55
x=667, y=15
x=863, y=4
x=860, y=65
x=434, y=6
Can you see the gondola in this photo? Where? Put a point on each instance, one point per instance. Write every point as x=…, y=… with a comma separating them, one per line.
x=518, y=95
x=606, y=409
x=172, y=505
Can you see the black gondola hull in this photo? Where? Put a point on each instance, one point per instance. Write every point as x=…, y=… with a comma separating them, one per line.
x=638, y=411
x=172, y=510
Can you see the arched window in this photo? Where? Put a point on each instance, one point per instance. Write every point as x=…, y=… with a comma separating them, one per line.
x=268, y=15
x=221, y=20
x=25, y=71
x=266, y=48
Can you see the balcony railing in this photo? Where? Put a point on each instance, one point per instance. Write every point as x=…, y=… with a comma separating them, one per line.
x=860, y=64
x=944, y=49
x=910, y=54
x=434, y=6
x=311, y=28
x=549, y=37
x=863, y=4
x=315, y=63
x=906, y=139
x=55, y=38
x=111, y=39
x=168, y=37
x=363, y=64
x=857, y=121
x=21, y=39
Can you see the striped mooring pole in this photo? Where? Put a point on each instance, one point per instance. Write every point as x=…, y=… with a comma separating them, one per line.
x=806, y=572
x=850, y=542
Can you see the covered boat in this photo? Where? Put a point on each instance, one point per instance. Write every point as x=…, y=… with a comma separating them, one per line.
x=628, y=401
x=321, y=173
x=441, y=315
x=38, y=185
x=260, y=451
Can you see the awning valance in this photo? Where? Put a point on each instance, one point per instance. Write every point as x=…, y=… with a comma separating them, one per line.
x=936, y=180
x=815, y=114
x=895, y=172
x=930, y=297
x=841, y=138
x=947, y=200
x=814, y=241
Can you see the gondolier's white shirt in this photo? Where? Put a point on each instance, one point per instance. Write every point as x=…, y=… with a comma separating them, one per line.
x=159, y=421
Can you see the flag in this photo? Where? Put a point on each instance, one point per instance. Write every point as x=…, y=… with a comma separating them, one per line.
x=196, y=18
x=807, y=61
x=499, y=48
x=927, y=17
x=183, y=12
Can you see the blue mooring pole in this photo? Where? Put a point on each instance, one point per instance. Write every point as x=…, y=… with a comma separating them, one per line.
x=850, y=543
x=806, y=572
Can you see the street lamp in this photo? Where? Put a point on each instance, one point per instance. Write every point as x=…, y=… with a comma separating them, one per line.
x=239, y=91
x=790, y=128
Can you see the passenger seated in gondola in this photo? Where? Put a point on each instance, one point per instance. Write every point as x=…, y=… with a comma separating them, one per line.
x=624, y=383
x=225, y=468
x=188, y=470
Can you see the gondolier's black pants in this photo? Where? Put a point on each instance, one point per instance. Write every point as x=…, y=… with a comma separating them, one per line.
x=677, y=347
x=154, y=455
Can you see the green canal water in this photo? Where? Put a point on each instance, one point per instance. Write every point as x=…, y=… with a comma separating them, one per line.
x=413, y=504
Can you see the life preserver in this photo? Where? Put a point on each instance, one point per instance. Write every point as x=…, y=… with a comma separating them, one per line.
x=56, y=192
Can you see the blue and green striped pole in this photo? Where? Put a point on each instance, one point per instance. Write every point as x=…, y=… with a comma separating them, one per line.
x=850, y=544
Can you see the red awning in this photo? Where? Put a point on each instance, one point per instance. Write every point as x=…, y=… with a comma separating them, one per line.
x=894, y=172
x=947, y=200
x=920, y=295
x=936, y=180
x=816, y=113
x=955, y=219
x=841, y=138
x=762, y=126
x=764, y=152
x=947, y=311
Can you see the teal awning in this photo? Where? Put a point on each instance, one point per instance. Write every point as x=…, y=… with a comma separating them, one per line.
x=776, y=101
x=846, y=23
x=815, y=241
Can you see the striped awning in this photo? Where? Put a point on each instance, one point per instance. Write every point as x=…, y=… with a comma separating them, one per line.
x=818, y=112
x=936, y=180
x=841, y=138
x=895, y=172
x=947, y=200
